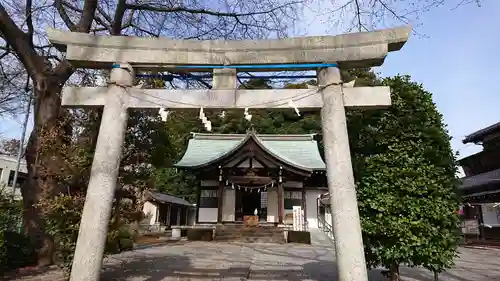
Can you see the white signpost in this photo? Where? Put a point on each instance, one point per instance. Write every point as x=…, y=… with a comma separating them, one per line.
x=127, y=55
x=298, y=219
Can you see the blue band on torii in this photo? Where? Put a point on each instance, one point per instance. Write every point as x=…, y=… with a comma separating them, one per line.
x=250, y=66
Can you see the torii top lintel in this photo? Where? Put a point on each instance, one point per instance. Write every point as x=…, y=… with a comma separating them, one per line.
x=353, y=50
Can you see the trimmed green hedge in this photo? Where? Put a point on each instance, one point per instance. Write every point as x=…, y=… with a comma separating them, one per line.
x=200, y=234
x=303, y=237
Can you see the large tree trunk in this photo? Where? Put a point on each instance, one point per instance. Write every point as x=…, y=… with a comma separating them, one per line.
x=394, y=272
x=43, y=164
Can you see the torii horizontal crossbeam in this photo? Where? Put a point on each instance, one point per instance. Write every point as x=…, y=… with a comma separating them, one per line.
x=359, y=97
x=362, y=49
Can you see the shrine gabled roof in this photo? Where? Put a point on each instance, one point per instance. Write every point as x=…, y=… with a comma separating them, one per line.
x=300, y=151
x=481, y=134
x=165, y=198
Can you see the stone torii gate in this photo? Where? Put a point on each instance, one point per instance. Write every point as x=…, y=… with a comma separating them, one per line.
x=126, y=55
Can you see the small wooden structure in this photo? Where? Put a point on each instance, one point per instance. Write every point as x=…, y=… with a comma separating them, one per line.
x=163, y=211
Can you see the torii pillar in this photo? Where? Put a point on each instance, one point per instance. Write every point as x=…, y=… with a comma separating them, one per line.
x=92, y=236
x=349, y=247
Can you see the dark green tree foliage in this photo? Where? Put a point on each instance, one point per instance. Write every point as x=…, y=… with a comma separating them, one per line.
x=405, y=172
x=176, y=134
x=175, y=182
x=279, y=121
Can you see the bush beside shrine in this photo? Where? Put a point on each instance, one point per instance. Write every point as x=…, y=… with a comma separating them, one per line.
x=303, y=237
x=15, y=249
x=200, y=234
x=125, y=240
x=406, y=185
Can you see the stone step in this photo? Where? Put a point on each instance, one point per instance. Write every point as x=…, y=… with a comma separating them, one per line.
x=269, y=238
x=244, y=237
x=248, y=234
x=253, y=240
x=261, y=234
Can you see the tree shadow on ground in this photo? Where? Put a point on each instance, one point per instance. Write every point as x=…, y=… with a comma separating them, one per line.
x=320, y=268
x=31, y=273
x=260, y=262
x=178, y=267
x=285, y=252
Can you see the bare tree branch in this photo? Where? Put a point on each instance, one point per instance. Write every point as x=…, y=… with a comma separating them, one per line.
x=104, y=14
x=144, y=7
x=87, y=15
x=20, y=43
x=116, y=26
x=64, y=16
x=29, y=21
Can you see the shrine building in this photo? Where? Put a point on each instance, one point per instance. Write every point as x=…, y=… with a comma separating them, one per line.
x=247, y=174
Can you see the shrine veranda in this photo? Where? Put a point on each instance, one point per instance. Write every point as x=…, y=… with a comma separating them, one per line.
x=126, y=56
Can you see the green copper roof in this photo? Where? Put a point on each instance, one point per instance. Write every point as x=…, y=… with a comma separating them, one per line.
x=297, y=150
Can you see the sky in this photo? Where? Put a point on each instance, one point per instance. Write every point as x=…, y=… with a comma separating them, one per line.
x=456, y=65
x=454, y=61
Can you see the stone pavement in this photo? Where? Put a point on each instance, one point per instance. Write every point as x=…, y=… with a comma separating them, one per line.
x=288, y=262
x=320, y=239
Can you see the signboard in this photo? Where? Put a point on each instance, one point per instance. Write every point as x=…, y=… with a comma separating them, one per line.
x=298, y=219
x=470, y=227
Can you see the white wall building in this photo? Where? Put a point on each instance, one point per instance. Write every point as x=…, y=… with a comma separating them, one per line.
x=7, y=170
x=162, y=211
